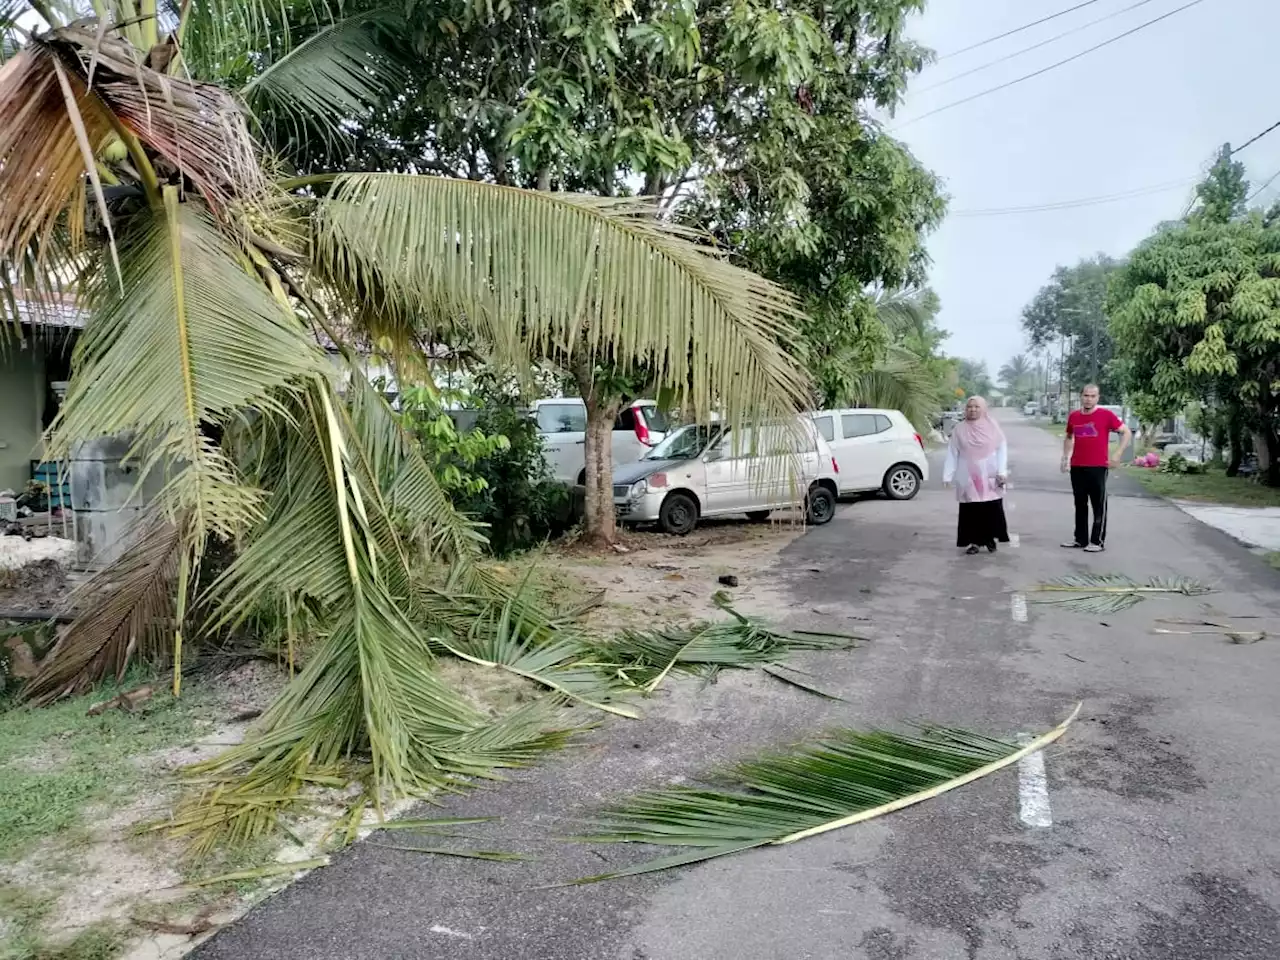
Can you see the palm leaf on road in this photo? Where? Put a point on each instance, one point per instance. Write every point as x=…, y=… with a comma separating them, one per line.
x=1112, y=592
x=844, y=778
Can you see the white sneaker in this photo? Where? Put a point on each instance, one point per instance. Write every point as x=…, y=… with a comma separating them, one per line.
x=1094, y=548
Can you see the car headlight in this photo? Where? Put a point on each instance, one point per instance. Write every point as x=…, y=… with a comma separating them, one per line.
x=639, y=489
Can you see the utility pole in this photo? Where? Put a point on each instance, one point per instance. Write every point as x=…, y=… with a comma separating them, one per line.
x=1094, y=343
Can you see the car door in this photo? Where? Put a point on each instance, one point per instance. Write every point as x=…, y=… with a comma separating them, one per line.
x=729, y=476
x=863, y=449
x=828, y=426
x=563, y=426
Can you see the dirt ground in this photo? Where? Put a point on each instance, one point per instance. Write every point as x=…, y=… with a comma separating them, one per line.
x=673, y=579
x=108, y=876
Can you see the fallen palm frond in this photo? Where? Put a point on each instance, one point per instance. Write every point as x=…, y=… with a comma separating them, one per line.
x=844, y=778
x=1112, y=592
x=1217, y=628
x=262, y=873
x=494, y=856
x=644, y=658
x=126, y=614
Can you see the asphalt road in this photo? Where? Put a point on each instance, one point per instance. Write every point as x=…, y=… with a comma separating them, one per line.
x=1164, y=843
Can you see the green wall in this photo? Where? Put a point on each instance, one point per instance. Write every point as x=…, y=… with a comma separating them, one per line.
x=21, y=407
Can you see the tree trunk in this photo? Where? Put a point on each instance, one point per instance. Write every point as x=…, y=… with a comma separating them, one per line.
x=599, y=525
x=1235, y=444
x=1272, y=445
x=1261, y=450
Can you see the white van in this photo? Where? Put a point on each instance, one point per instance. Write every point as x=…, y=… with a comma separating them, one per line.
x=707, y=470
x=562, y=424
x=875, y=450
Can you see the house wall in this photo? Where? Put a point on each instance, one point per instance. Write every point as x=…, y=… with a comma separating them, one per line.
x=22, y=393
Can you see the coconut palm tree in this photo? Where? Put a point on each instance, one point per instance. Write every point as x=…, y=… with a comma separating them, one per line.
x=137, y=171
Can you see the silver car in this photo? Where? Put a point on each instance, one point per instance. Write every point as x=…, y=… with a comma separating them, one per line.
x=712, y=471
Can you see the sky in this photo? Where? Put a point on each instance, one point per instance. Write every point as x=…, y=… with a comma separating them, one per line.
x=1147, y=111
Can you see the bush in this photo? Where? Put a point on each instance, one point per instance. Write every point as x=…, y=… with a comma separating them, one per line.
x=1178, y=464
x=495, y=473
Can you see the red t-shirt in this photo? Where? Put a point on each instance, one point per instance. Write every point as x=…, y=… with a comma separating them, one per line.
x=1092, y=433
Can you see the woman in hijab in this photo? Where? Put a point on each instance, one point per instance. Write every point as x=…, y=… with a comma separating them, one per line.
x=977, y=462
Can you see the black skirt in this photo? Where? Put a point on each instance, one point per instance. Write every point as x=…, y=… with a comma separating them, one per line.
x=981, y=524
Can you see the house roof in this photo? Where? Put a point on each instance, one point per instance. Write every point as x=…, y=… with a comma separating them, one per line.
x=60, y=311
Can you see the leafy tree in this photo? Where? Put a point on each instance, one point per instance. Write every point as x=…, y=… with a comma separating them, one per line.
x=205, y=274
x=1197, y=313
x=973, y=378
x=750, y=120
x=1072, y=305
x=912, y=375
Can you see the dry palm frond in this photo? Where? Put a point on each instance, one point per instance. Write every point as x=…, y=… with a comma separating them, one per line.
x=198, y=128
x=536, y=273
x=844, y=778
x=41, y=164
x=1111, y=592
x=126, y=613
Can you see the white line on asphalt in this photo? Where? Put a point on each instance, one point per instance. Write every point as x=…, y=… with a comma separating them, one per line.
x=1033, y=789
x=451, y=933
x=1018, y=608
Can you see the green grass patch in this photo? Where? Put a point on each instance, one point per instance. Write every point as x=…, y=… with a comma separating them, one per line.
x=22, y=913
x=56, y=760
x=1212, y=487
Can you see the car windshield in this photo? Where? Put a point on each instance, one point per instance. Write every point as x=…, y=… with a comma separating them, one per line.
x=685, y=444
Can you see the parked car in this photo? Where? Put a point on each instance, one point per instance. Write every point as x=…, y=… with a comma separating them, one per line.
x=1030, y=409
x=562, y=423
x=708, y=470
x=875, y=450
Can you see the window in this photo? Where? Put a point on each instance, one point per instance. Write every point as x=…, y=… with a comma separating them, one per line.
x=863, y=424
x=655, y=419
x=562, y=418
x=626, y=420
x=827, y=427
x=883, y=423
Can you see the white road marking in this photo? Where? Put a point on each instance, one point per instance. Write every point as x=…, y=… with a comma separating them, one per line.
x=451, y=933
x=1018, y=608
x=1033, y=789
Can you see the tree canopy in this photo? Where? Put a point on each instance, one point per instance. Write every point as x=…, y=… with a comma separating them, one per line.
x=1072, y=305
x=1196, y=311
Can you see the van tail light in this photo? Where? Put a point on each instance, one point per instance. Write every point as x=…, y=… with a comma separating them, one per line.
x=835, y=467
x=642, y=428
x=919, y=440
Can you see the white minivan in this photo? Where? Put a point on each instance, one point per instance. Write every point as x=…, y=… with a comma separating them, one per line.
x=710, y=470
x=875, y=450
x=562, y=424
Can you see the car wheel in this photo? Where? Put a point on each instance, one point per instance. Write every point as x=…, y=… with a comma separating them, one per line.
x=679, y=514
x=821, y=506
x=759, y=516
x=902, y=482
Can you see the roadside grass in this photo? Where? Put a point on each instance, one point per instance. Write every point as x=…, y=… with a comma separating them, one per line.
x=1212, y=487
x=21, y=916
x=56, y=761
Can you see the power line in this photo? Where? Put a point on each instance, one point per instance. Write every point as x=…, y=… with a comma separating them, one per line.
x=1034, y=46
x=1124, y=195
x=1052, y=66
x=1077, y=203
x=1254, y=139
x=1010, y=33
x=1270, y=180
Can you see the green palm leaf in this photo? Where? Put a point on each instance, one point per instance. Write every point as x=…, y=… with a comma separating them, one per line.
x=1112, y=592
x=189, y=344
x=335, y=76
x=646, y=657
x=547, y=274
x=841, y=779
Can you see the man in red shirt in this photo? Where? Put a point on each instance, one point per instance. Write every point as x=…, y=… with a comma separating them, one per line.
x=1087, y=451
